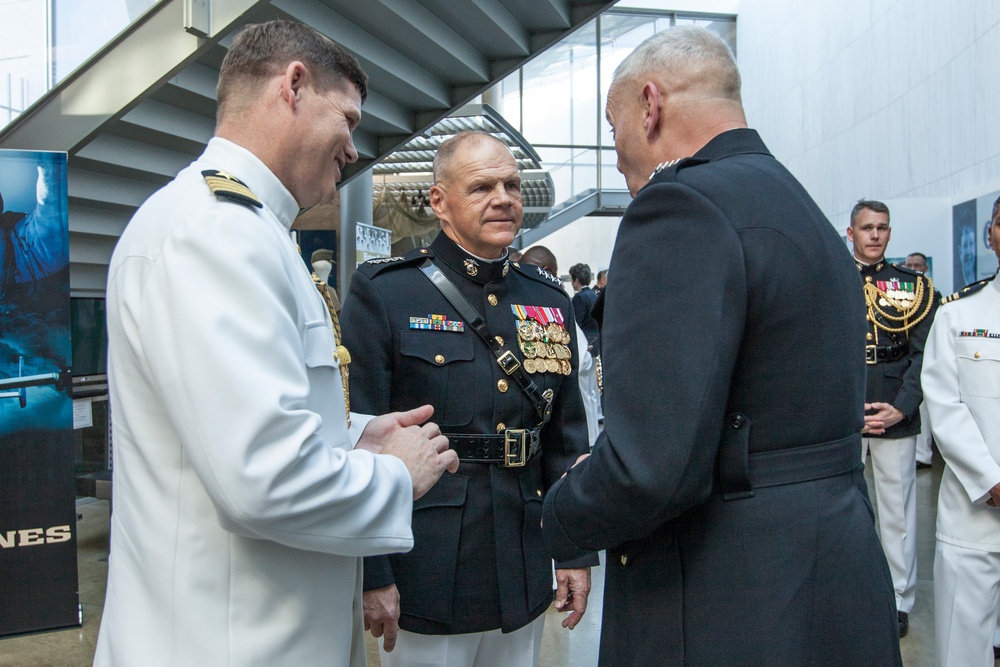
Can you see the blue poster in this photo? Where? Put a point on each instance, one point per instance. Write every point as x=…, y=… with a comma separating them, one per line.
x=37, y=494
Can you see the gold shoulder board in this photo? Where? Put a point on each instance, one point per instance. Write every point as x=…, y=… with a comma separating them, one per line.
x=227, y=186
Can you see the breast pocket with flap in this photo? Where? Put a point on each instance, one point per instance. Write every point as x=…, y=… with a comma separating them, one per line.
x=437, y=367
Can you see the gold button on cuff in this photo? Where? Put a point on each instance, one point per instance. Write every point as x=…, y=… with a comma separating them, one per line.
x=502, y=386
x=869, y=336
x=977, y=355
x=624, y=559
x=439, y=358
x=492, y=298
x=499, y=339
x=501, y=427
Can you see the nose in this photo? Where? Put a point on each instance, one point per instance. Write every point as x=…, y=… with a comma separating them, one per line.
x=350, y=152
x=500, y=195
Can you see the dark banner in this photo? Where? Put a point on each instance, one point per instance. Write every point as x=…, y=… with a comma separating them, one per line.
x=38, y=575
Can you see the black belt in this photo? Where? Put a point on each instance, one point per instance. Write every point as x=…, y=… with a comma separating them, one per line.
x=877, y=353
x=513, y=448
x=740, y=472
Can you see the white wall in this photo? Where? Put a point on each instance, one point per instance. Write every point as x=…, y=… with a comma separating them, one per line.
x=882, y=99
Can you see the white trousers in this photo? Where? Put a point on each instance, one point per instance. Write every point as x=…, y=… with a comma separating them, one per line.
x=476, y=649
x=894, y=468
x=966, y=597
x=924, y=452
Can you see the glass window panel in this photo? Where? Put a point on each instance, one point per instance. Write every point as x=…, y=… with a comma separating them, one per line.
x=510, y=100
x=45, y=41
x=573, y=171
x=560, y=92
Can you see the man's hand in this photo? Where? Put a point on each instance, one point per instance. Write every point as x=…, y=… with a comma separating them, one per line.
x=885, y=417
x=380, y=429
x=425, y=452
x=382, y=614
x=572, y=590
x=994, y=499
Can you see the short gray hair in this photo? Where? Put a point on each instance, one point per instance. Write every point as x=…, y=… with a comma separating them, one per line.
x=699, y=56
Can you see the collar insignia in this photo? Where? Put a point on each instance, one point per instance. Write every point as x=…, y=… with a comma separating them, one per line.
x=471, y=267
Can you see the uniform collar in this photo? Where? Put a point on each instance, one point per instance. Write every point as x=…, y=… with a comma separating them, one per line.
x=867, y=269
x=247, y=167
x=466, y=264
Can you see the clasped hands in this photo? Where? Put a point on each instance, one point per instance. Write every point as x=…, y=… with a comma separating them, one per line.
x=885, y=417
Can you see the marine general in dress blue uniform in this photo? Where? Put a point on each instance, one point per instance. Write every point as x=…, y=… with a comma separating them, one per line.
x=726, y=486
x=478, y=580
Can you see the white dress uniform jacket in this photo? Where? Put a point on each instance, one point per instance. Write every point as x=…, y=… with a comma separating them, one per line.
x=961, y=382
x=240, y=508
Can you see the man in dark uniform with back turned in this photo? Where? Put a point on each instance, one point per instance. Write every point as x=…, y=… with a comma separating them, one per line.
x=476, y=585
x=726, y=485
x=900, y=306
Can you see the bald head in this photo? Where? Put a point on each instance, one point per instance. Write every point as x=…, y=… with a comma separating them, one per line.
x=445, y=157
x=686, y=59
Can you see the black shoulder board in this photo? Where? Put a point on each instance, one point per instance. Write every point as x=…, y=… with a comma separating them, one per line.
x=373, y=267
x=227, y=186
x=539, y=274
x=907, y=270
x=968, y=290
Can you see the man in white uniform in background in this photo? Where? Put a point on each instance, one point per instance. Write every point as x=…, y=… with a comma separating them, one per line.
x=241, y=507
x=961, y=381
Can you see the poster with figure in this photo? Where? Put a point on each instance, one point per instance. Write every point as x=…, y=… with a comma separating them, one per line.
x=963, y=233
x=973, y=257
x=986, y=260
x=371, y=242
x=38, y=574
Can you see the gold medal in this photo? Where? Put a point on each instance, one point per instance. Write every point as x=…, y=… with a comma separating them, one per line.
x=525, y=330
x=528, y=348
x=566, y=368
x=529, y=365
x=551, y=365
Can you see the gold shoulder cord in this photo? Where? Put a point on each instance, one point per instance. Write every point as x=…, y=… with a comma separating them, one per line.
x=343, y=356
x=873, y=294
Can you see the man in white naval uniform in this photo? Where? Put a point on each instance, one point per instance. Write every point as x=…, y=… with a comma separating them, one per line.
x=241, y=508
x=961, y=380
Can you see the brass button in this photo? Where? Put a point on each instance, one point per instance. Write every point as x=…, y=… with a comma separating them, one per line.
x=492, y=298
x=439, y=358
x=423, y=250
x=499, y=340
x=624, y=559
x=502, y=386
x=868, y=279
x=501, y=427
x=869, y=336
x=538, y=492
x=976, y=355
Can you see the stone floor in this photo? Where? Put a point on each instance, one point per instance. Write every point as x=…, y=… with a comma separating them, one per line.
x=560, y=648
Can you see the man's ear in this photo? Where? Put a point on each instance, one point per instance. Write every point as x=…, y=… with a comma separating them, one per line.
x=293, y=80
x=651, y=112
x=437, y=200
x=850, y=234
